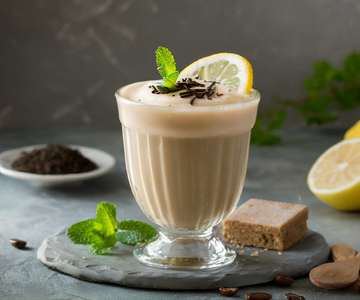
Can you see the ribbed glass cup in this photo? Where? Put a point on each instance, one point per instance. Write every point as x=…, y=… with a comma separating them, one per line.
x=186, y=167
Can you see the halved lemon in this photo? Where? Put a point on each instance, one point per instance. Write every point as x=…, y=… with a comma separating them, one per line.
x=230, y=70
x=353, y=132
x=335, y=176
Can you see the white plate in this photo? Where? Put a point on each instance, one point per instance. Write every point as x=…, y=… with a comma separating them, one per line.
x=103, y=160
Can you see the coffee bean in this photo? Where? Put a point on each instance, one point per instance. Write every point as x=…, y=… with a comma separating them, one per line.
x=292, y=296
x=258, y=296
x=284, y=279
x=228, y=292
x=17, y=243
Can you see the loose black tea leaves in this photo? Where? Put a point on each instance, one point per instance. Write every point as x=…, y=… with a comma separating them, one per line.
x=53, y=159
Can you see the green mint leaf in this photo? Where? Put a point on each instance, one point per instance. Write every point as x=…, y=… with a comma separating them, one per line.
x=106, y=215
x=104, y=247
x=163, y=88
x=169, y=81
x=167, y=67
x=132, y=232
x=165, y=62
x=83, y=232
x=265, y=139
x=261, y=137
x=348, y=98
x=351, y=71
x=262, y=132
x=321, y=119
x=337, y=74
x=99, y=233
x=276, y=119
x=92, y=233
x=95, y=250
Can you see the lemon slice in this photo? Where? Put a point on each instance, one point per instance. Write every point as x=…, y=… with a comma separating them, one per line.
x=230, y=70
x=335, y=176
x=353, y=132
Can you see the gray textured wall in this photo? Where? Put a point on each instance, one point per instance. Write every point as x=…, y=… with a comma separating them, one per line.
x=61, y=61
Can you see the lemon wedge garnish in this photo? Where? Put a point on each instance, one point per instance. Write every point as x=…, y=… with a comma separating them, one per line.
x=353, y=132
x=335, y=176
x=230, y=70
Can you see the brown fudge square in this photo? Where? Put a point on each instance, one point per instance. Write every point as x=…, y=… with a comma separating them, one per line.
x=266, y=224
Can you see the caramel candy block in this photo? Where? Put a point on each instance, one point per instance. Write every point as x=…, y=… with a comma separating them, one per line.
x=266, y=224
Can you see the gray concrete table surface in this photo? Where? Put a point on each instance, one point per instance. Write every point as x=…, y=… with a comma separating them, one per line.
x=32, y=214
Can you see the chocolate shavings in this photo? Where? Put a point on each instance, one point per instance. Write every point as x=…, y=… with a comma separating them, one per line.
x=192, y=87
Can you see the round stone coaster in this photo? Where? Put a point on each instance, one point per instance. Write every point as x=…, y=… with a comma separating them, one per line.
x=252, y=265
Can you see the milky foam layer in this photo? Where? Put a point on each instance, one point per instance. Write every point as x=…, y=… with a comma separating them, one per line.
x=223, y=95
x=184, y=120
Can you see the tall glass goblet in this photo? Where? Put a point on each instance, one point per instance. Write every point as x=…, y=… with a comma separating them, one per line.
x=186, y=167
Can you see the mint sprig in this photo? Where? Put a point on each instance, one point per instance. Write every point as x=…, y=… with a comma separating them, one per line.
x=99, y=233
x=103, y=232
x=328, y=92
x=167, y=68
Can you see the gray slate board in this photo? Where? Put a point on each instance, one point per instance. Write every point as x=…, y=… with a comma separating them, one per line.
x=120, y=267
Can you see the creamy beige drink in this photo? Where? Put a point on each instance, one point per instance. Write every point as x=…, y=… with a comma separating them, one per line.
x=186, y=163
x=186, y=144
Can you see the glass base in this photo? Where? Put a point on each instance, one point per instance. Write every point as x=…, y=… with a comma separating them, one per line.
x=185, y=250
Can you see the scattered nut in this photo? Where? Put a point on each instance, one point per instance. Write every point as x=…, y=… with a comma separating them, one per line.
x=84, y=257
x=256, y=253
x=17, y=243
x=292, y=296
x=258, y=296
x=228, y=292
x=279, y=253
x=284, y=279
